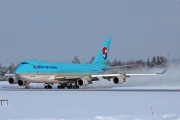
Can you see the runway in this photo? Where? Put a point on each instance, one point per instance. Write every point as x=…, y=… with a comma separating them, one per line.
x=129, y=89
x=5, y=86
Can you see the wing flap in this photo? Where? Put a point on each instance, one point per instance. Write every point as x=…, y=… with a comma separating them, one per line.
x=64, y=77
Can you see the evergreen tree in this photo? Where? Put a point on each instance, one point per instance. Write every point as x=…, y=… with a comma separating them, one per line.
x=148, y=62
x=91, y=60
x=76, y=60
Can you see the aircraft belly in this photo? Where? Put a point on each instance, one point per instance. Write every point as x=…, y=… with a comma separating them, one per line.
x=40, y=79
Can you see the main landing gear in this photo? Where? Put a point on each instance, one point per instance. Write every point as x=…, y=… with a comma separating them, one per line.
x=61, y=86
x=70, y=85
x=48, y=86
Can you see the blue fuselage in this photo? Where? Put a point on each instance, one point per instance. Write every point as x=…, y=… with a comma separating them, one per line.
x=39, y=67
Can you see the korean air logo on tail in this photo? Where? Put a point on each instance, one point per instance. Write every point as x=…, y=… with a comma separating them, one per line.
x=104, y=53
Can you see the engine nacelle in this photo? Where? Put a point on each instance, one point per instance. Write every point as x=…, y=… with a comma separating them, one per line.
x=13, y=80
x=118, y=80
x=21, y=83
x=82, y=82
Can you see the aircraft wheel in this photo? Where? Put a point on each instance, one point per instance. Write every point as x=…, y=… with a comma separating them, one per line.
x=27, y=87
x=45, y=86
x=49, y=87
x=73, y=87
x=60, y=87
x=69, y=87
x=77, y=87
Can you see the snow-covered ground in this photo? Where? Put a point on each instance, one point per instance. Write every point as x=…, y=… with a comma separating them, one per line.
x=87, y=105
x=90, y=105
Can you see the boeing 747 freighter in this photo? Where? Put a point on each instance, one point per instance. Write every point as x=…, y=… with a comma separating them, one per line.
x=67, y=75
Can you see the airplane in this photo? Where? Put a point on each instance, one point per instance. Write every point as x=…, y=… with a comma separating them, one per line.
x=68, y=75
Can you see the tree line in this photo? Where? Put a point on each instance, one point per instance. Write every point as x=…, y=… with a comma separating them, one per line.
x=154, y=61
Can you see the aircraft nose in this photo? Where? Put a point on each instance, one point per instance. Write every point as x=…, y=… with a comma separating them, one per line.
x=17, y=70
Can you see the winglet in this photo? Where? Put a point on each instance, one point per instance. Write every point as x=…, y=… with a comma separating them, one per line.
x=163, y=72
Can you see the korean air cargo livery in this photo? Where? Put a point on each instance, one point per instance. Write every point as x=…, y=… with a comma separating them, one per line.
x=67, y=75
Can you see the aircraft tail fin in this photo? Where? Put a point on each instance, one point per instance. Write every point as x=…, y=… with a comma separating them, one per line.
x=102, y=56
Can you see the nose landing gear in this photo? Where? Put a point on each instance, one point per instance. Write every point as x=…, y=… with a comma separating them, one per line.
x=27, y=85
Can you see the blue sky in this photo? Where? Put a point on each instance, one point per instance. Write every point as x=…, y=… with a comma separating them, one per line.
x=57, y=30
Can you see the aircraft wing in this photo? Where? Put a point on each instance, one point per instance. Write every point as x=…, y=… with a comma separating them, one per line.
x=76, y=77
x=9, y=75
x=114, y=75
x=73, y=77
x=163, y=72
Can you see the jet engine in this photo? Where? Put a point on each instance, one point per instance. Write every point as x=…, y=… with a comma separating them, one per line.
x=21, y=83
x=119, y=79
x=12, y=80
x=82, y=82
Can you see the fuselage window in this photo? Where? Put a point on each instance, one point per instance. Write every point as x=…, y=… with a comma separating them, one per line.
x=24, y=63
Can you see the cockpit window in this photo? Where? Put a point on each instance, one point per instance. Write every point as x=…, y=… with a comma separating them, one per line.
x=24, y=63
